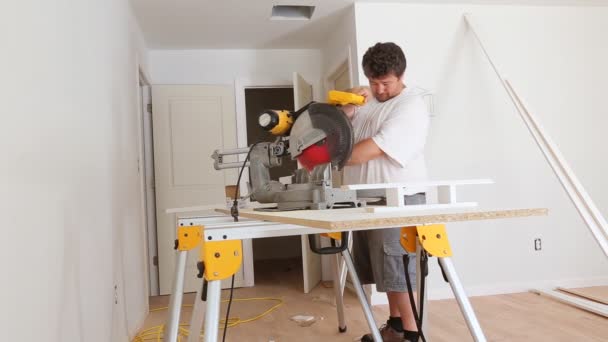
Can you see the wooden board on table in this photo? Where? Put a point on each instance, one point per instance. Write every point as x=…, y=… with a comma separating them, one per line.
x=358, y=218
x=595, y=293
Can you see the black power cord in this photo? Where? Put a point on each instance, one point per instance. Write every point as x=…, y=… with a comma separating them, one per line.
x=228, y=309
x=424, y=269
x=234, y=210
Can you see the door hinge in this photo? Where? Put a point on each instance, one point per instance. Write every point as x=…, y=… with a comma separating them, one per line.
x=149, y=108
x=155, y=260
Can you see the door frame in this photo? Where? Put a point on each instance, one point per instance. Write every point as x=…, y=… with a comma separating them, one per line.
x=240, y=84
x=150, y=245
x=335, y=72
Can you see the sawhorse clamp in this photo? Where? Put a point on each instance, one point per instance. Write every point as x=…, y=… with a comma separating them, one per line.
x=434, y=240
x=219, y=260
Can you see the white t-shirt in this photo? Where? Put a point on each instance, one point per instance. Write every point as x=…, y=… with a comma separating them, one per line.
x=399, y=127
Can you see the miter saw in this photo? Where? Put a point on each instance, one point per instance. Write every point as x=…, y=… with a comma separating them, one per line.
x=320, y=137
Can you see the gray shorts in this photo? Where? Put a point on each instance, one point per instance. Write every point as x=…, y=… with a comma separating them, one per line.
x=378, y=256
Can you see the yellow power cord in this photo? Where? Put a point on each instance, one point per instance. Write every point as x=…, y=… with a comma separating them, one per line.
x=156, y=332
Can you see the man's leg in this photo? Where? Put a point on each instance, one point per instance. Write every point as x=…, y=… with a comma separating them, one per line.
x=401, y=325
x=399, y=306
x=400, y=309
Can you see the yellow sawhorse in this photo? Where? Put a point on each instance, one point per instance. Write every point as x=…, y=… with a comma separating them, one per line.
x=432, y=240
x=218, y=260
x=424, y=241
x=222, y=259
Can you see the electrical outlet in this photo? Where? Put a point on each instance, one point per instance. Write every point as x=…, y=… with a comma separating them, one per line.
x=537, y=244
x=115, y=294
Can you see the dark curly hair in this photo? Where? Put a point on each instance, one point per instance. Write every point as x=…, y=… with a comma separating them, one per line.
x=382, y=59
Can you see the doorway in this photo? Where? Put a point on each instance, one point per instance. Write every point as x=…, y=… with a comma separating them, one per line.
x=258, y=99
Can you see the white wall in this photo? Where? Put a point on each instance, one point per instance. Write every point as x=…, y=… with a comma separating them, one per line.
x=555, y=57
x=70, y=205
x=224, y=66
x=340, y=46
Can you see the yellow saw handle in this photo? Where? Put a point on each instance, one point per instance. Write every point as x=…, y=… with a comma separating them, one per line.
x=342, y=98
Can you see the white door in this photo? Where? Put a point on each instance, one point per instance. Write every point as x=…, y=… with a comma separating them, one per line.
x=190, y=122
x=311, y=262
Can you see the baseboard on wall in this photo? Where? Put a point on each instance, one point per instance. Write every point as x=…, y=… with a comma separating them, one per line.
x=495, y=289
x=445, y=292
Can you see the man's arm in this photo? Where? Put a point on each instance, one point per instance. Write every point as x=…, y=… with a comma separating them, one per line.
x=364, y=151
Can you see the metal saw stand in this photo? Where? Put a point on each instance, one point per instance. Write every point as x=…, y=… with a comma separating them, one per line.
x=432, y=240
x=428, y=239
x=222, y=259
x=218, y=260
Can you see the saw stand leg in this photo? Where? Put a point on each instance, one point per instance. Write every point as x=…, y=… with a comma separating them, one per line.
x=198, y=311
x=219, y=260
x=339, y=273
x=338, y=294
x=434, y=240
x=338, y=286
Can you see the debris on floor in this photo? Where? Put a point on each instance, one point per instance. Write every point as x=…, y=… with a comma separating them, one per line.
x=303, y=320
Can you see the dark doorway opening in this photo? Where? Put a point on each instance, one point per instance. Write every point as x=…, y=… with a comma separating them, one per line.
x=256, y=101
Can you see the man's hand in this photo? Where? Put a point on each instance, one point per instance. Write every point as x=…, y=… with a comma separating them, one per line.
x=364, y=91
x=349, y=110
x=364, y=151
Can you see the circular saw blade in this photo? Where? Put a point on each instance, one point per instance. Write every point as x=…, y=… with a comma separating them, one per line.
x=338, y=130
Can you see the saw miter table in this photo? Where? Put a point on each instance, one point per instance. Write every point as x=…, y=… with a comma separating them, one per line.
x=221, y=254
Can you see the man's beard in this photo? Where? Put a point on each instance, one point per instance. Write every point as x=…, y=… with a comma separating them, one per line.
x=383, y=98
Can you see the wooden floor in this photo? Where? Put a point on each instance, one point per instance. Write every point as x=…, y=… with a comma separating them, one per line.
x=512, y=317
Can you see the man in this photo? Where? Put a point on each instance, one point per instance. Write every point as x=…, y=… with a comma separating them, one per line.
x=390, y=133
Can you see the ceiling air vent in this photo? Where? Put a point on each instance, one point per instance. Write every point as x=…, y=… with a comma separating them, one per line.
x=289, y=12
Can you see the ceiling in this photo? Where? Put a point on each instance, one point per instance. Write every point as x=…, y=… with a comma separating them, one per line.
x=229, y=24
x=246, y=24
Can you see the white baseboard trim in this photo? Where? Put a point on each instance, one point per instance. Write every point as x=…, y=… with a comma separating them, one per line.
x=445, y=292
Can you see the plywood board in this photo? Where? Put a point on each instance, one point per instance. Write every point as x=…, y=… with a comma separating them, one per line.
x=357, y=218
x=595, y=293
